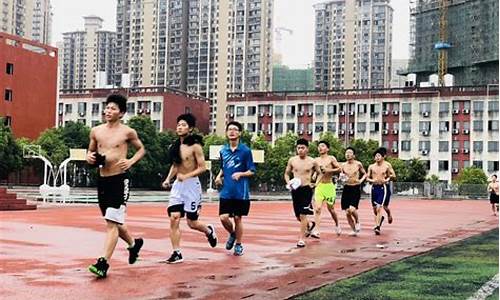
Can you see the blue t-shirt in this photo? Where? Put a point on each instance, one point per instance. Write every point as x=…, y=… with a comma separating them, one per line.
x=239, y=160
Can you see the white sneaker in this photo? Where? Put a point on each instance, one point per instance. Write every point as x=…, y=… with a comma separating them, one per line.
x=353, y=233
x=338, y=230
x=357, y=227
x=301, y=244
x=315, y=235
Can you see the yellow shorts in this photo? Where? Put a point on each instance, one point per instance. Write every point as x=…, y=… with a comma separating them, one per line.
x=325, y=192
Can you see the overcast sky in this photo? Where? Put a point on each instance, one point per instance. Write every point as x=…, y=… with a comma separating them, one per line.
x=297, y=15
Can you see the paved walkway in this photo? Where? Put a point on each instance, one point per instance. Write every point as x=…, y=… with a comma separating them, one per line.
x=45, y=253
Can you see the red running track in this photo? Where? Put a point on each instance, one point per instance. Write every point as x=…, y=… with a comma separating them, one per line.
x=45, y=253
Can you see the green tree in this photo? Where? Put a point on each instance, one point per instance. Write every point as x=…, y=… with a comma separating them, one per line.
x=75, y=135
x=10, y=152
x=471, y=175
x=417, y=171
x=364, y=151
x=52, y=145
x=271, y=172
x=336, y=147
x=433, y=179
x=400, y=168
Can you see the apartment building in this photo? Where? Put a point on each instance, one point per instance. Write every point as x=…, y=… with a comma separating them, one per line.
x=353, y=41
x=31, y=19
x=162, y=105
x=87, y=57
x=448, y=128
x=207, y=47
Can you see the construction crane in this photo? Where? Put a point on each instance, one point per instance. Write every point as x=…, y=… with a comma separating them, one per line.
x=443, y=45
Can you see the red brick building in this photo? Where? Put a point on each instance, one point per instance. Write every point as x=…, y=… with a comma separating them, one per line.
x=28, y=85
x=161, y=104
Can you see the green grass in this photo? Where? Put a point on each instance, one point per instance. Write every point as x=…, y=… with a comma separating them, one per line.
x=455, y=271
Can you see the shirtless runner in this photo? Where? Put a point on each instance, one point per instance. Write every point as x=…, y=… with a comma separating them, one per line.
x=493, y=190
x=108, y=150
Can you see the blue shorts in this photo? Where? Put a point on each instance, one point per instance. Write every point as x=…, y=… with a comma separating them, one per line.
x=381, y=195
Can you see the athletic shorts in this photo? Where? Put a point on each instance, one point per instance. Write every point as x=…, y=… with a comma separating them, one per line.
x=185, y=197
x=493, y=198
x=325, y=192
x=350, y=196
x=112, y=195
x=381, y=194
x=301, y=198
x=234, y=207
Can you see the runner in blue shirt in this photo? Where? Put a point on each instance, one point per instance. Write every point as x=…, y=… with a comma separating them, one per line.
x=236, y=169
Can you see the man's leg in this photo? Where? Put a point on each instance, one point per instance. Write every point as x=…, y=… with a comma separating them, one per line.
x=317, y=216
x=175, y=231
x=226, y=222
x=389, y=215
x=111, y=239
x=350, y=218
x=331, y=209
x=238, y=222
x=303, y=226
x=199, y=226
x=124, y=234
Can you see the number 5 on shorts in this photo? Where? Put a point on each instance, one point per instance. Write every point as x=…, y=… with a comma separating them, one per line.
x=193, y=206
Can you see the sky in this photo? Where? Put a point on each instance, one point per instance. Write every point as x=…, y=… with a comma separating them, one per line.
x=297, y=15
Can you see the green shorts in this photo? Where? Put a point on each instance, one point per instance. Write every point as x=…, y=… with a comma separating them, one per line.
x=325, y=192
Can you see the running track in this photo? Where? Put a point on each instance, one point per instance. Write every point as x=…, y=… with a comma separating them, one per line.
x=44, y=254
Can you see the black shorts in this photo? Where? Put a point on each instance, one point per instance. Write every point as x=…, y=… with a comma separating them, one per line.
x=112, y=191
x=493, y=198
x=301, y=198
x=350, y=196
x=193, y=216
x=234, y=207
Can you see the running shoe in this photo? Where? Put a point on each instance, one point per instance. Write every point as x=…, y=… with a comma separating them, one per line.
x=338, y=230
x=100, y=268
x=353, y=233
x=133, y=252
x=212, y=236
x=310, y=227
x=389, y=219
x=377, y=230
x=381, y=221
x=315, y=235
x=175, y=258
x=301, y=244
x=357, y=227
x=238, y=250
x=230, y=241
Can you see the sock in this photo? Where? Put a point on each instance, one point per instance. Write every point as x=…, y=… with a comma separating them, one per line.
x=131, y=246
x=178, y=251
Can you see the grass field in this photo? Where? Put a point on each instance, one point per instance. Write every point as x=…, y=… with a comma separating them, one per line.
x=455, y=271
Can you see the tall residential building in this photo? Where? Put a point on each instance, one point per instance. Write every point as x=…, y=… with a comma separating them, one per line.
x=398, y=65
x=207, y=47
x=353, y=41
x=472, y=32
x=31, y=19
x=87, y=57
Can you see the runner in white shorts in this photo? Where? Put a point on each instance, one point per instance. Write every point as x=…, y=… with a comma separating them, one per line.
x=185, y=198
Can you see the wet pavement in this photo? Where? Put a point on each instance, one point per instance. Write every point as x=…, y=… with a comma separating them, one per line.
x=45, y=253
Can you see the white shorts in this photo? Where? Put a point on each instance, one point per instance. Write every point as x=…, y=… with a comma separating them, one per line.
x=187, y=193
x=116, y=215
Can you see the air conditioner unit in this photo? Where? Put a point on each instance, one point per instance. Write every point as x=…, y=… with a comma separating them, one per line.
x=261, y=114
x=351, y=132
x=454, y=171
x=385, y=132
x=342, y=113
x=301, y=131
x=309, y=132
x=465, y=150
x=424, y=152
x=455, y=131
x=466, y=131
x=301, y=113
x=269, y=114
x=454, y=150
x=385, y=112
x=81, y=114
x=341, y=131
x=466, y=111
x=231, y=115
x=456, y=111
x=148, y=111
x=426, y=114
x=351, y=113
x=269, y=132
x=394, y=150
x=309, y=114
x=60, y=112
x=395, y=131
x=426, y=133
x=395, y=112
x=139, y=111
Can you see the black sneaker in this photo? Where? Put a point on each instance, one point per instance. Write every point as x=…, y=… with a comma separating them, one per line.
x=230, y=241
x=175, y=258
x=310, y=227
x=133, y=252
x=377, y=230
x=212, y=236
x=100, y=268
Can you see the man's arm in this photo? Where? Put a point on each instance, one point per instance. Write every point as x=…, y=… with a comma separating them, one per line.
x=335, y=167
x=390, y=172
x=92, y=148
x=250, y=166
x=369, y=175
x=288, y=170
x=318, y=172
x=171, y=173
x=200, y=164
x=133, y=139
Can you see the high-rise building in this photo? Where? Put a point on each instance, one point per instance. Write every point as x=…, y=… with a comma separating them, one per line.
x=87, y=57
x=472, y=32
x=353, y=41
x=31, y=19
x=207, y=47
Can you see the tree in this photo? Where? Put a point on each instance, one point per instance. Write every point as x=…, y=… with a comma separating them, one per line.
x=364, y=150
x=271, y=172
x=52, y=145
x=400, y=168
x=336, y=147
x=75, y=135
x=433, y=179
x=471, y=175
x=10, y=152
x=417, y=171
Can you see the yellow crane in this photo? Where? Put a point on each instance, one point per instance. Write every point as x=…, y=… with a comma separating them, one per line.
x=443, y=45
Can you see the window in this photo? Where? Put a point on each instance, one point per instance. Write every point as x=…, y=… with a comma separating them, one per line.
x=425, y=107
x=492, y=146
x=455, y=144
x=444, y=146
x=319, y=110
x=493, y=125
x=157, y=124
x=95, y=108
x=466, y=163
x=406, y=126
x=290, y=110
x=290, y=127
x=157, y=106
x=424, y=145
x=405, y=145
x=131, y=108
x=443, y=165
x=8, y=95
x=477, y=146
x=7, y=121
x=82, y=108
x=454, y=164
x=456, y=105
x=375, y=109
x=332, y=109
x=251, y=127
x=362, y=109
x=361, y=127
x=444, y=126
x=493, y=106
x=278, y=110
x=477, y=125
x=478, y=106
x=240, y=111
x=68, y=108
x=424, y=126
x=318, y=127
x=466, y=145
x=9, y=69
x=444, y=108
x=467, y=105
x=278, y=127
x=374, y=126
x=478, y=164
x=406, y=108
x=331, y=126
x=492, y=166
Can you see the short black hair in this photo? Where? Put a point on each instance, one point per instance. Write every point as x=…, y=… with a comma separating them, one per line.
x=302, y=142
x=235, y=123
x=494, y=175
x=119, y=100
x=189, y=118
x=324, y=142
x=352, y=149
x=382, y=151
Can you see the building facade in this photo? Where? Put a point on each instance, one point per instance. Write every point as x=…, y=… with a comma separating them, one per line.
x=87, y=57
x=161, y=104
x=448, y=128
x=472, y=32
x=353, y=41
x=207, y=47
x=31, y=19
x=27, y=110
